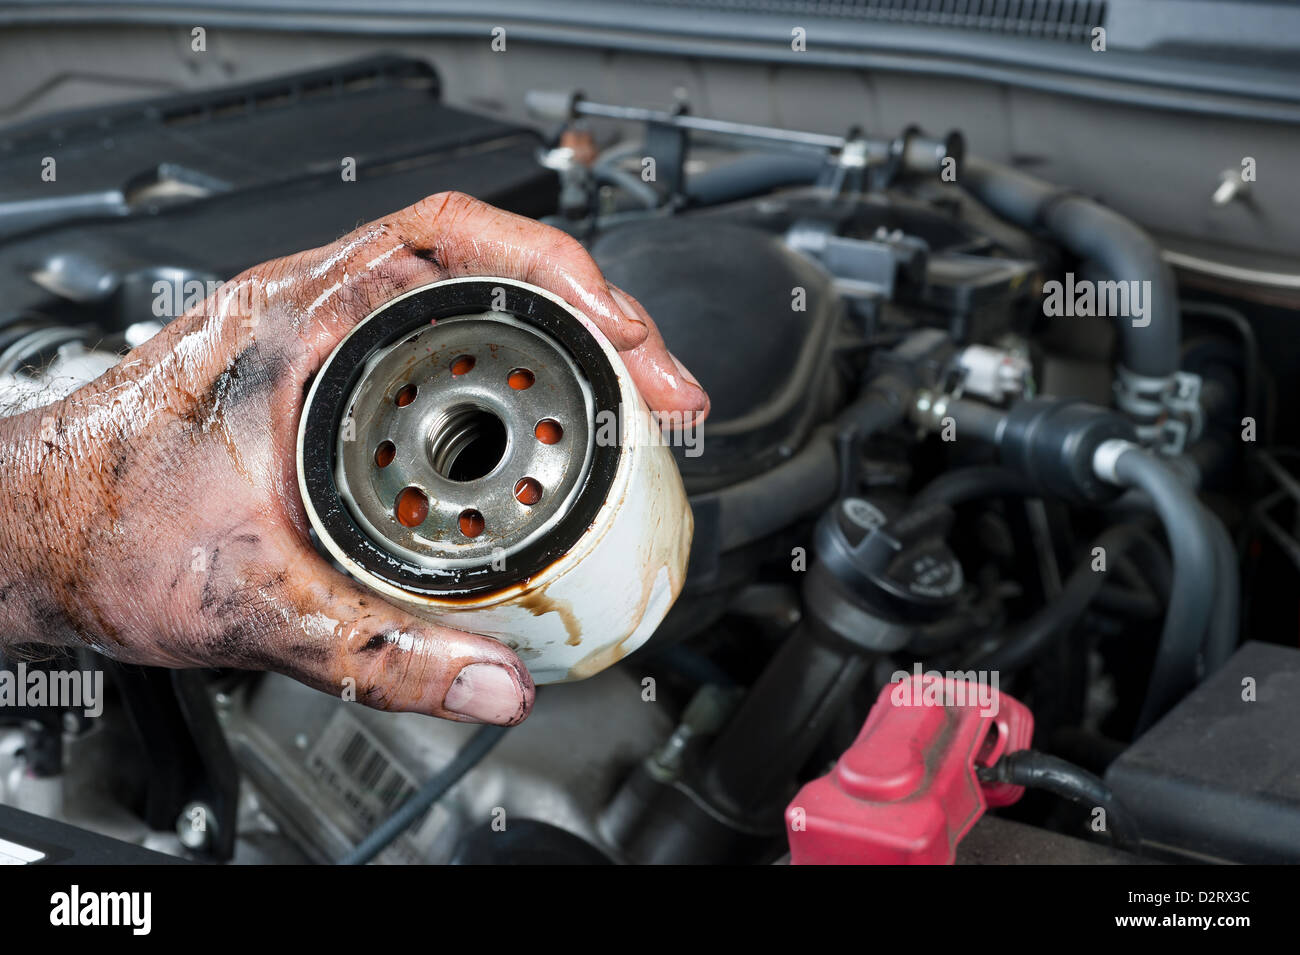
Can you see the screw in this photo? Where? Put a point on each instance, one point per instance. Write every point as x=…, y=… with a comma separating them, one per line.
x=1231, y=186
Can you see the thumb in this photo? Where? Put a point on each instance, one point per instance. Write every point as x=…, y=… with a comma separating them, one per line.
x=363, y=648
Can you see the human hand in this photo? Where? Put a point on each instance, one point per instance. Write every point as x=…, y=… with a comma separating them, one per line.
x=155, y=513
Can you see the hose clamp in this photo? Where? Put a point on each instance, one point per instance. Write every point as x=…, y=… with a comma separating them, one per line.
x=1165, y=410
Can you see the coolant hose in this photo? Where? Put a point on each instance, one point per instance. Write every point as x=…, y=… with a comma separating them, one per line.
x=1096, y=234
x=1191, y=544
x=1225, y=623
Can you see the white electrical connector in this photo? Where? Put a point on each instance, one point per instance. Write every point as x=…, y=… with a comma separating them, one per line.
x=993, y=374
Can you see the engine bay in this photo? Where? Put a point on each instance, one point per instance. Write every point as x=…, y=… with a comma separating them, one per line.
x=974, y=436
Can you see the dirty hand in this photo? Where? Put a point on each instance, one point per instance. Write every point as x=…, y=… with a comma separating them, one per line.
x=154, y=513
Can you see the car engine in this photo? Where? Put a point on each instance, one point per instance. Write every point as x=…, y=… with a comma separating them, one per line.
x=975, y=436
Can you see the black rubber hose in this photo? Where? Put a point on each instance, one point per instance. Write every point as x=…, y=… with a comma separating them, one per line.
x=1225, y=622
x=1157, y=571
x=1029, y=638
x=1251, y=373
x=1128, y=603
x=1096, y=234
x=974, y=483
x=1035, y=770
x=479, y=745
x=1193, y=593
x=1024, y=642
x=805, y=483
x=879, y=409
x=753, y=175
x=642, y=192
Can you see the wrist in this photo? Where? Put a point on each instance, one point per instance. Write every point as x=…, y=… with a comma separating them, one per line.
x=31, y=528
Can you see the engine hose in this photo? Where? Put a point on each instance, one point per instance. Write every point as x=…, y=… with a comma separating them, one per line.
x=1096, y=234
x=1191, y=544
x=1035, y=770
x=1251, y=377
x=1129, y=603
x=1149, y=554
x=469, y=756
x=753, y=175
x=974, y=483
x=642, y=192
x=1028, y=639
x=1225, y=623
x=806, y=482
x=878, y=410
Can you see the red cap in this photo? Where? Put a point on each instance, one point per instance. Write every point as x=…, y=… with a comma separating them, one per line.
x=906, y=792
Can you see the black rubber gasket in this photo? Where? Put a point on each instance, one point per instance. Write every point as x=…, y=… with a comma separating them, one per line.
x=335, y=386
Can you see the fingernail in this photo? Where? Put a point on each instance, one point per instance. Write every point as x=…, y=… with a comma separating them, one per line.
x=639, y=328
x=689, y=379
x=485, y=692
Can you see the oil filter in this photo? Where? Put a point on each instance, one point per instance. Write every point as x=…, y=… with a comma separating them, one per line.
x=475, y=451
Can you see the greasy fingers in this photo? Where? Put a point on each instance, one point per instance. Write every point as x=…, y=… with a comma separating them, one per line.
x=469, y=237
x=452, y=235
x=663, y=381
x=447, y=235
x=377, y=655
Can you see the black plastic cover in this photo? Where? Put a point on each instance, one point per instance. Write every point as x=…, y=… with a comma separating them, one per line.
x=725, y=298
x=207, y=184
x=1219, y=776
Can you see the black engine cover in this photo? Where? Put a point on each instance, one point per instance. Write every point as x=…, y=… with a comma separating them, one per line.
x=264, y=167
x=727, y=298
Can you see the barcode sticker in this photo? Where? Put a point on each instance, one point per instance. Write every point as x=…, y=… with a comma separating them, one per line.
x=366, y=778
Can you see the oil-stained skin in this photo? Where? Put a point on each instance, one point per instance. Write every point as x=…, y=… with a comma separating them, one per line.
x=154, y=514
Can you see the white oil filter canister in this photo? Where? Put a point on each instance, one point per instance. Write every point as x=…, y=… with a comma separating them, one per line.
x=475, y=451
